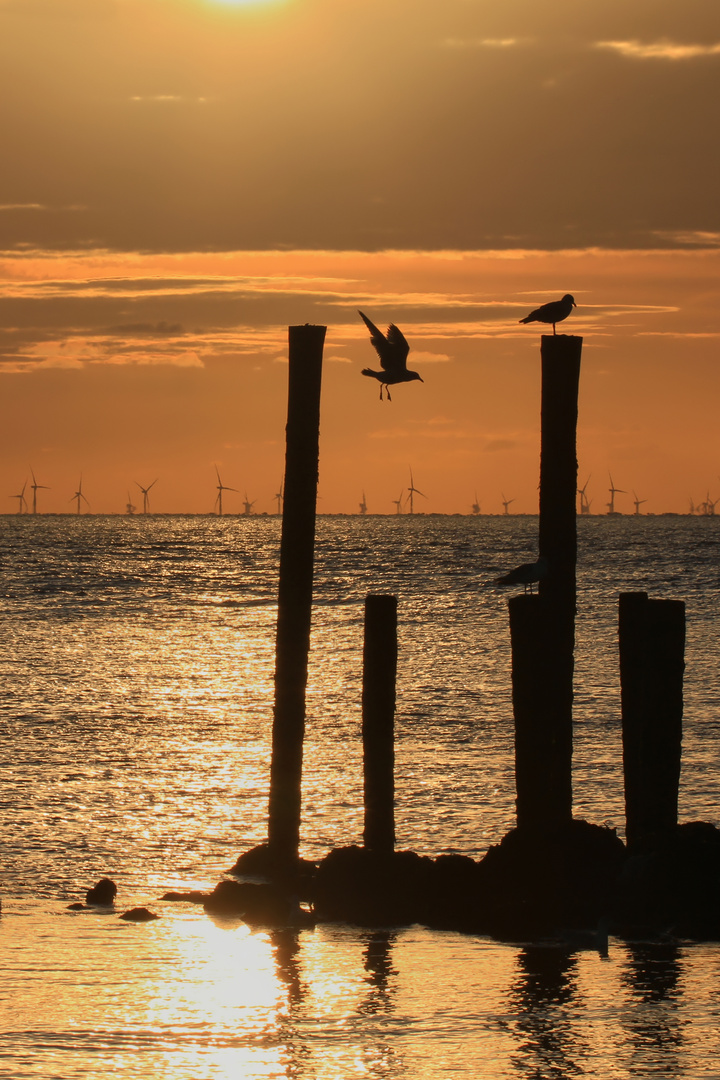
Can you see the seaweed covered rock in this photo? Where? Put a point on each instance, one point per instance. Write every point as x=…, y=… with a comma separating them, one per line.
x=534, y=882
x=103, y=893
x=358, y=886
x=454, y=895
x=139, y=914
x=256, y=904
x=260, y=862
x=671, y=884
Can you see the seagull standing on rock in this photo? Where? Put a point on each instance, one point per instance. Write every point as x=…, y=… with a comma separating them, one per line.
x=393, y=349
x=554, y=312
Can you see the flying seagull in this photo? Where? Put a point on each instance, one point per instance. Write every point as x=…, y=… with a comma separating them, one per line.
x=554, y=312
x=393, y=349
x=526, y=575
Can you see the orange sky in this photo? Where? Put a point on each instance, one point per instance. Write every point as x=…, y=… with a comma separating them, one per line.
x=187, y=177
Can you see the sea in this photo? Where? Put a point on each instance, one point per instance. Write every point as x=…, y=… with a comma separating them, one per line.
x=137, y=660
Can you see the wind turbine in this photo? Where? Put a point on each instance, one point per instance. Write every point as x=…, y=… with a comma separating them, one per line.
x=129, y=507
x=398, y=502
x=476, y=505
x=79, y=496
x=363, y=505
x=585, y=503
x=35, y=488
x=248, y=506
x=220, y=488
x=613, y=492
x=412, y=490
x=506, y=502
x=279, y=495
x=638, y=502
x=146, y=500
x=710, y=505
x=22, y=501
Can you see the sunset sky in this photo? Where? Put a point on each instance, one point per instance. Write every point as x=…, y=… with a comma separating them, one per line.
x=182, y=179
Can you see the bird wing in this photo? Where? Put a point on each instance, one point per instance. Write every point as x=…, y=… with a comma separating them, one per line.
x=393, y=350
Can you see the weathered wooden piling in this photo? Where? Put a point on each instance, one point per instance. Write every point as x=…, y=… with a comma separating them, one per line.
x=295, y=589
x=378, y=721
x=542, y=627
x=652, y=663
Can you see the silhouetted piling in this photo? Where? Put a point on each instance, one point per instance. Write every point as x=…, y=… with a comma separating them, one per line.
x=652, y=663
x=378, y=721
x=543, y=736
x=558, y=479
x=542, y=627
x=295, y=588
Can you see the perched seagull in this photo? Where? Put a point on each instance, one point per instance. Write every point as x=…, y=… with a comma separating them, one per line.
x=554, y=312
x=526, y=574
x=393, y=349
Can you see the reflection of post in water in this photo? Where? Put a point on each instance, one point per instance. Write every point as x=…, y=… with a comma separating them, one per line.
x=377, y=961
x=650, y=1019
x=286, y=945
x=546, y=983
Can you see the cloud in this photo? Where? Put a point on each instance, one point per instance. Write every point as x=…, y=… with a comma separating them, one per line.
x=480, y=43
x=39, y=206
x=659, y=50
x=430, y=357
x=168, y=99
x=691, y=237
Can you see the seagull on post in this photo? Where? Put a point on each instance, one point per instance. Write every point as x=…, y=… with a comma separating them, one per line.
x=526, y=575
x=554, y=312
x=393, y=349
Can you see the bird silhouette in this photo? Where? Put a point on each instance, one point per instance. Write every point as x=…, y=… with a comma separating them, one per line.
x=393, y=349
x=554, y=312
x=526, y=575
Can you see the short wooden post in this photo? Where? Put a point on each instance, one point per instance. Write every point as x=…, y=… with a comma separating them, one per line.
x=297, y=547
x=378, y=721
x=652, y=663
x=543, y=738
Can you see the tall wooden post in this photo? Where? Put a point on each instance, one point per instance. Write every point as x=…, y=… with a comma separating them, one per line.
x=543, y=627
x=652, y=663
x=295, y=589
x=378, y=721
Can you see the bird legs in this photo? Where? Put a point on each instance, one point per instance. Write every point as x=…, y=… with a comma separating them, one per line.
x=387, y=391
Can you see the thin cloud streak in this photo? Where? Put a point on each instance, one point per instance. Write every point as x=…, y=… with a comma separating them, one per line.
x=659, y=50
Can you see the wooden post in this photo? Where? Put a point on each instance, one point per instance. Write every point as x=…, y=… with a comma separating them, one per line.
x=542, y=627
x=558, y=479
x=297, y=547
x=543, y=738
x=378, y=721
x=652, y=663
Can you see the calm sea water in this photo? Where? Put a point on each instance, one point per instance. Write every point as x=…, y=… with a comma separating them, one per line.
x=137, y=663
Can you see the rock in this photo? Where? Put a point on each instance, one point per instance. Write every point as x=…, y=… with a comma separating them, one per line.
x=533, y=882
x=139, y=914
x=671, y=884
x=195, y=896
x=103, y=893
x=358, y=886
x=259, y=862
x=257, y=904
x=79, y=906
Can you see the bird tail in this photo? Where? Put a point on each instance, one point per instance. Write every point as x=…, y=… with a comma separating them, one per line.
x=527, y=319
x=372, y=374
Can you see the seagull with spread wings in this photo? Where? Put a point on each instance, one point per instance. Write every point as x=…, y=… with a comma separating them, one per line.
x=393, y=349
